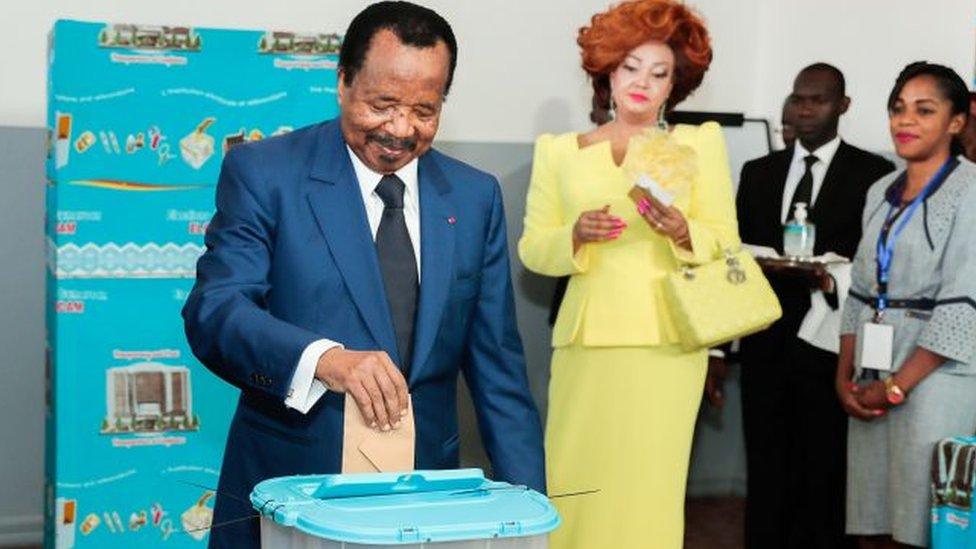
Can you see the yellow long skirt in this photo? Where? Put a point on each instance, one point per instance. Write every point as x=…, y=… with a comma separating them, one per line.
x=621, y=421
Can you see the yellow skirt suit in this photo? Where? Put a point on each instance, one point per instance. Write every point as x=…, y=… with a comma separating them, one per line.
x=623, y=396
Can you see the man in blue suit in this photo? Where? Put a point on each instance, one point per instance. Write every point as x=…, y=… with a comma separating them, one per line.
x=349, y=259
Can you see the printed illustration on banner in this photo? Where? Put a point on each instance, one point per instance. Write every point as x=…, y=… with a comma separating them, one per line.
x=65, y=516
x=155, y=137
x=129, y=260
x=134, y=142
x=91, y=522
x=157, y=513
x=84, y=141
x=197, y=519
x=232, y=139
x=62, y=139
x=148, y=397
x=245, y=136
x=293, y=43
x=149, y=37
x=137, y=520
x=198, y=146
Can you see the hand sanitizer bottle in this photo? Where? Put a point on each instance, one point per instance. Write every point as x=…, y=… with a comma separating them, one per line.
x=799, y=233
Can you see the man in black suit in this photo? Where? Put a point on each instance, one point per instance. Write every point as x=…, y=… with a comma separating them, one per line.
x=795, y=428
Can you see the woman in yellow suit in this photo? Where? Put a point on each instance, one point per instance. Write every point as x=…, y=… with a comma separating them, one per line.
x=623, y=396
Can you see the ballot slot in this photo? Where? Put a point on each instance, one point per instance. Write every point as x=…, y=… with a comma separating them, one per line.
x=377, y=484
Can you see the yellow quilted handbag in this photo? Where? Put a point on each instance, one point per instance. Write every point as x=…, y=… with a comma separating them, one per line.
x=720, y=301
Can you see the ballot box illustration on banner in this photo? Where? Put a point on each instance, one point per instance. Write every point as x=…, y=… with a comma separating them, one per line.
x=140, y=119
x=449, y=509
x=953, y=479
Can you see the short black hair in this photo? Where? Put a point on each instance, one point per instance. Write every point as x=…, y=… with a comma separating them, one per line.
x=414, y=25
x=950, y=85
x=833, y=71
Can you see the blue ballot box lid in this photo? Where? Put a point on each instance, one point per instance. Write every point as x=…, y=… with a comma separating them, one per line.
x=402, y=508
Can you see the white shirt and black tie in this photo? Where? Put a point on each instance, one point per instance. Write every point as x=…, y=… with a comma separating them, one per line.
x=305, y=390
x=819, y=164
x=824, y=314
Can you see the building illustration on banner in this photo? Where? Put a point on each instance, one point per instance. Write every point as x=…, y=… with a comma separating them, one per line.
x=292, y=43
x=149, y=37
x=148, y=397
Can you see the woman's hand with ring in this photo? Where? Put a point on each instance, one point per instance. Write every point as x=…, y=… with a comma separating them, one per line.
x=665, y=220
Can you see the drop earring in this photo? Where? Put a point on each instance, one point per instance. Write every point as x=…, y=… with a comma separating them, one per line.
x=662, y=123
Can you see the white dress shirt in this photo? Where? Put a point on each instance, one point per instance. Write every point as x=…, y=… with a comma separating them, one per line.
x=305, y=390
x=825, y=154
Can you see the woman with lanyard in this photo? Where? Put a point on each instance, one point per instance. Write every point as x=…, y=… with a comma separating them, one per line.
x=906, y=372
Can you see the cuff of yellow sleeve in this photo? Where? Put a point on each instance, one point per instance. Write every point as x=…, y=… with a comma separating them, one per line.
x=702, y=247
x=581, y=259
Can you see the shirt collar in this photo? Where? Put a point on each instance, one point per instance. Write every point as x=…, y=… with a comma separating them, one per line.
x=368, y=179
x=825, y=153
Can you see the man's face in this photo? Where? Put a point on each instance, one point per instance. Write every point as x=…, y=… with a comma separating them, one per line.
x=391, y=110
x=816, y=105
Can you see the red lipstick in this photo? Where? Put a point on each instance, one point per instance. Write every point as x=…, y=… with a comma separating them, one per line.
x=905, y=137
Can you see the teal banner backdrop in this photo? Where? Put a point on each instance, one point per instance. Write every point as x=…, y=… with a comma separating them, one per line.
x=139, y=119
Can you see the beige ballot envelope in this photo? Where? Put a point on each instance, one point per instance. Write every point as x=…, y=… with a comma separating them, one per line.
x=368, y=450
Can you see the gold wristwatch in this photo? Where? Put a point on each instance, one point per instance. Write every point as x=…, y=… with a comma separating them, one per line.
x=893, y=392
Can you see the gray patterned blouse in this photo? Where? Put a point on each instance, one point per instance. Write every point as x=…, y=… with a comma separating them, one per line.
x=933, y=271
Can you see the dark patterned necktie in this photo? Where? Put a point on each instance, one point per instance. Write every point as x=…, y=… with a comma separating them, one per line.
x=398, y=265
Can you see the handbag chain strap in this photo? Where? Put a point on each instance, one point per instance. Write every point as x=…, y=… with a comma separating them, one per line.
x=735, y=275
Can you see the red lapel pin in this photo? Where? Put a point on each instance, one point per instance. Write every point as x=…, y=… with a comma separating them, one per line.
x=451, y=220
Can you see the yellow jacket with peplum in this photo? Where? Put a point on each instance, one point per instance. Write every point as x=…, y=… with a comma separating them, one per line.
x=615, y=296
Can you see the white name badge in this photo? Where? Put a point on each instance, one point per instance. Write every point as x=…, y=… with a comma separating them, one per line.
x=875, y=343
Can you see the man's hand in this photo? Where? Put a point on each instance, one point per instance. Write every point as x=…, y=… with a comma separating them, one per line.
x=715, y=381
x=372, y=379
x=821, y=279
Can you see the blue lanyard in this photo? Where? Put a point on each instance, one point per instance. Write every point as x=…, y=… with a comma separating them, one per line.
x=886, y=241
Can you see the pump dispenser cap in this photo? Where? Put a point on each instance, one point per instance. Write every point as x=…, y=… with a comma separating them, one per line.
x=800, y=211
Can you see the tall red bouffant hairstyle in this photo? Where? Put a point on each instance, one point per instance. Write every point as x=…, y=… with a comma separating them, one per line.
x=612, y=34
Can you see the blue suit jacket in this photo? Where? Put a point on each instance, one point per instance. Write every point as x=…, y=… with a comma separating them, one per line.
x=290, y=259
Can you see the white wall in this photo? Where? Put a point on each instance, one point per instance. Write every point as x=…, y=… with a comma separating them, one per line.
x=871, y=41
x=518, y=74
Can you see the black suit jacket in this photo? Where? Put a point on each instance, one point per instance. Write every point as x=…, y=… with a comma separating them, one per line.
x=836, y=213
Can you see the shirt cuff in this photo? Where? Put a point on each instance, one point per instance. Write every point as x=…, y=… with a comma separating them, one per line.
x=305, y=390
